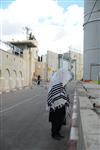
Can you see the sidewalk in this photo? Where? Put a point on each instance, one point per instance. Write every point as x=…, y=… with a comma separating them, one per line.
x=89, y=116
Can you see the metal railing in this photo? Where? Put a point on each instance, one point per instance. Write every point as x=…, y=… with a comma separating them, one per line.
x=6, y=46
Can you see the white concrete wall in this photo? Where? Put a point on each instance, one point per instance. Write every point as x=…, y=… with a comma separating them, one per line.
x=16, y=71
x=91, y=39
x=12, y=71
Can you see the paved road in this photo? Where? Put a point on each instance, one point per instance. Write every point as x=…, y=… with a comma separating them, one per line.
x=24, y=121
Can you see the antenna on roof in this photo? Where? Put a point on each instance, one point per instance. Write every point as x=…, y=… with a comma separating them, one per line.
x=27, y=32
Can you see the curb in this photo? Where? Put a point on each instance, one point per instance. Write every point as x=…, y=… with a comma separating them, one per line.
x=72, y=145
x=74, y=133
x=12, y=90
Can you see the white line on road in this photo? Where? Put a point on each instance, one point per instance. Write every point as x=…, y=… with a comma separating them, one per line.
x=74, y=106
x=74, y=115
x=11, y=107
x=74, y=133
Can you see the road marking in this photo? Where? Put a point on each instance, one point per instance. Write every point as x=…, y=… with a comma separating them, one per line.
x=74, y=133
x=74, y=106
x=11, y=107
x=74, y=115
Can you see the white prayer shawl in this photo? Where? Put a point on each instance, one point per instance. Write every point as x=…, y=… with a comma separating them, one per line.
x=61, y=76
x=57, y=96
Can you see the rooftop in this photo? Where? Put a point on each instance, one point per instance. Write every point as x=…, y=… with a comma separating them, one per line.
x=28, y=43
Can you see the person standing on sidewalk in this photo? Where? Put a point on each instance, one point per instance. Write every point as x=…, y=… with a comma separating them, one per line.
x=38, y=79
x=57, y=102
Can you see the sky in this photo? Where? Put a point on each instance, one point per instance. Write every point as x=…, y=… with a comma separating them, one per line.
x=56, y=24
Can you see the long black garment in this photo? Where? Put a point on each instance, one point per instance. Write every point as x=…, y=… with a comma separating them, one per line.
x=57, y=119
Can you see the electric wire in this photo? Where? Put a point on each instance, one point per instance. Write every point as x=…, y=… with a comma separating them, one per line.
x=91, y=11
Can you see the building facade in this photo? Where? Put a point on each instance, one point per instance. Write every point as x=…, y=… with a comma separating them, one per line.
x=17, y=64
x=73, y=61
x=52, y=64
x=41, y=68
x=20, y=64
x=77, y=64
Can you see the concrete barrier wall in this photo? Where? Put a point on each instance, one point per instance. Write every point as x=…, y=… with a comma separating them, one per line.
x=76, y=141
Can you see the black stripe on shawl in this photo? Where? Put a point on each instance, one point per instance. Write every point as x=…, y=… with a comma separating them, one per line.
x=53, y=99
x=55, y=92
x=55, y=87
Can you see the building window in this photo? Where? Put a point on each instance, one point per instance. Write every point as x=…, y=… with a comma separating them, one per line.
x=20, y=74
x=15, y=74
x=39, y=59
x=7, y=73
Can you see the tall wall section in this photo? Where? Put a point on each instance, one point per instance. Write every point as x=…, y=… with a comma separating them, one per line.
x=91, y=39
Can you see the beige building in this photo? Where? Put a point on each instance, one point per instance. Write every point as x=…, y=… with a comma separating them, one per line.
x=74, y=61
x=20, y=64
x=46, y=67
x=41, y=67
x=77, y=63
x=52, y=64
x=17, y=64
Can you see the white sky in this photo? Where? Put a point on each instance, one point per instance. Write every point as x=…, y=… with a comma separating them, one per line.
x=55, y=29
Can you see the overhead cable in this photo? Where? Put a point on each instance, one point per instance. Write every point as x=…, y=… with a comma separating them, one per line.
x=91, y=11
